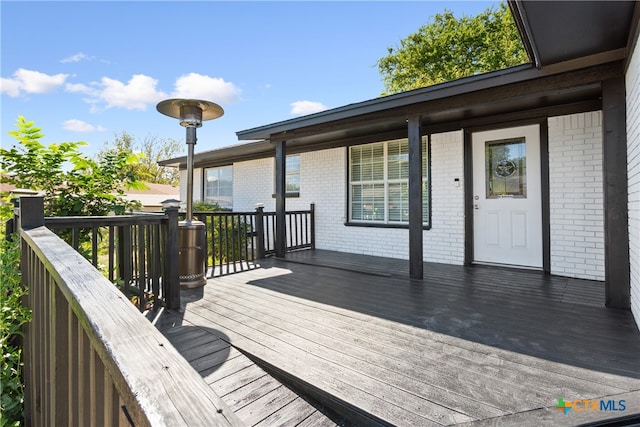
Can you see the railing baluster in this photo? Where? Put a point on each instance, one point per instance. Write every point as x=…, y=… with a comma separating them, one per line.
x=94, y=246
x=155, y=256
x=226, y=242
x=312, y=215
x=245, y=230
x=110, y=251
x=75, y=238
x=141, y=267
x=236, y=257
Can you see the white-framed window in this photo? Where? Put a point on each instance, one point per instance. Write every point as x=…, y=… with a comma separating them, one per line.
x=292, y=182
x=379, y=182
x=292, y=176
x=218, y=186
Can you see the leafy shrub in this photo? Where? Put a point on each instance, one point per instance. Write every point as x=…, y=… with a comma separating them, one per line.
x=14, y=315
x=230, y=236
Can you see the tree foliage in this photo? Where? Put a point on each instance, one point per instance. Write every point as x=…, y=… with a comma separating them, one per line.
x=70, y=182
x=150, y=150
x=450, y=48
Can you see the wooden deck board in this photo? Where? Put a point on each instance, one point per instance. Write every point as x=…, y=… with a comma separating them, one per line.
x=240, y=378
x=367, y=353
x=242, y=385
x=492, y=317
x=317, y=419
x=315, y=370
x=292, y=414
x=246, y=394
x=258, y=410
x=391, y=354
x=465, y=344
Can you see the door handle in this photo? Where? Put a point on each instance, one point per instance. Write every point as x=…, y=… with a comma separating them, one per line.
x=476, y=206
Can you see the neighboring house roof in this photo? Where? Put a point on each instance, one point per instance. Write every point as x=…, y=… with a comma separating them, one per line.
x=151, y=197
x=571, y=86
x=154, y=195
x=10, y=188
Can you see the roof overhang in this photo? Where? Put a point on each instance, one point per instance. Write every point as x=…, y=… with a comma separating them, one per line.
x=559, y=31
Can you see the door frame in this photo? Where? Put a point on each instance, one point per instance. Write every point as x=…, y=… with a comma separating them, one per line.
x=544, y=187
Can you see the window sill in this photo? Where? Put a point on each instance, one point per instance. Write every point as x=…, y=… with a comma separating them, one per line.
x=382, y=225
x=288, y=195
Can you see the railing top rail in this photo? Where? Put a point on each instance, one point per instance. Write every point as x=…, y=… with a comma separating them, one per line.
x=92, y=221
x=290, y=212
x=222, y=213
x=147, y=370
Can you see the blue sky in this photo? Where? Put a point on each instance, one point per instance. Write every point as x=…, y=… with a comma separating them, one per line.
x=85, y=71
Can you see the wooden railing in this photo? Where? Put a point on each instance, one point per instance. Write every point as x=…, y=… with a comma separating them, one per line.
x=136, y=252
x=300, y=230
x=91, y=358
x=235, y=240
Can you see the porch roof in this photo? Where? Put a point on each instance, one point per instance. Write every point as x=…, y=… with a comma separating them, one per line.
x=568, y=83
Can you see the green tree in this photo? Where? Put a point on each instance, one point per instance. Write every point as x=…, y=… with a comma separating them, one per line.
x=150, y=150
x=70, y=182
x=450, y=48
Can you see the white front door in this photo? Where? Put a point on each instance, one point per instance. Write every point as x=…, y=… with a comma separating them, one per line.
x=507, y=197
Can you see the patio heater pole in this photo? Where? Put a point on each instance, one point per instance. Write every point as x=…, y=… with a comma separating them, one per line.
x=191, y=234
x=191, y=142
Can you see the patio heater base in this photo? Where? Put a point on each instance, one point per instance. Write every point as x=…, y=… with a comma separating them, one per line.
x=191, y=253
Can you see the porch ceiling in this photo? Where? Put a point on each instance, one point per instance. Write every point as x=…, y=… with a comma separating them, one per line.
x=556, y=31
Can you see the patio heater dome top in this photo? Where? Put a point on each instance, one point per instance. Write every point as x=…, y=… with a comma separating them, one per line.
x=191, y=112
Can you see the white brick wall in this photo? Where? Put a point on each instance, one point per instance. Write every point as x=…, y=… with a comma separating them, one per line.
x=576, y=196
x=323, y=181
x=633, y=171
x=197, y=186
x=324, y=173
x=445, y=241
x=253, y=182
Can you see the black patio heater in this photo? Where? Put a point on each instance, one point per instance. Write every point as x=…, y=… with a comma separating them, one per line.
x=191, y=234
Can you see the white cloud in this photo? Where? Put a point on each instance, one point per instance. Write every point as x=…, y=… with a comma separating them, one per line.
x=81, y=88
x=301, y=108
x=76, y=58
x=199, y=86
x=30, y=81
x=76, y=125
x=10, y=87
x=135, y=94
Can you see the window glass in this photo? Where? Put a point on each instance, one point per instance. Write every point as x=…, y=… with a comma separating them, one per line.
x=379, y=182
x=293, y=174
x=218, y=186
x=506, y=169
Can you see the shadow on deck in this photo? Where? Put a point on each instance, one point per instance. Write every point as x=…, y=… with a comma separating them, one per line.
x=551, y=317
x=464, y=345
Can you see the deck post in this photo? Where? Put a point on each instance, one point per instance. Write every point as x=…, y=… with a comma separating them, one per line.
x=281, y=228
x=171, y=258
x=415, y=199
x=616, y=217
x=313, y=225
x=31, y=212
x=260, y=232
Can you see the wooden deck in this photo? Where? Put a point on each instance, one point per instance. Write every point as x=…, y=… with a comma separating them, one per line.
x=479, y=345
x=255, y=397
